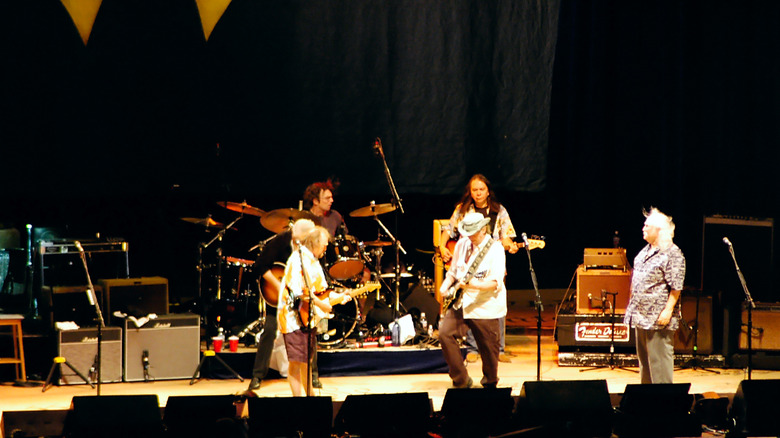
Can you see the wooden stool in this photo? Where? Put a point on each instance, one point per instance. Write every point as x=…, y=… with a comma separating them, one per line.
x=15, y=322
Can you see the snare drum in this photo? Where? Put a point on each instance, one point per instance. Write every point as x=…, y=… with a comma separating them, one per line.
x=343, y=258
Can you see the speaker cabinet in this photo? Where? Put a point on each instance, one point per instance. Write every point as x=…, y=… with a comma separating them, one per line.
x=357, y=415
x=642, y=407
x=476, y=412
x=422, y=299
x=566, y=408
x=135, y=296
x=752, y=242
x=199, y=415
x=69, y=303
x=290, y=416
x=591, y=283
x=79, y=348
x=766, y=328
x=115, y=416
x=754, y=408
x=169, y=347
x=685, y=337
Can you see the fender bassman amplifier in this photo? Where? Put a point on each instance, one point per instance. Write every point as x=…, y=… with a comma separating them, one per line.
x=165, y=348
x=79, y=348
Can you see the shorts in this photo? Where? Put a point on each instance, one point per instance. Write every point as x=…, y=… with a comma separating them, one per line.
x=296, y=343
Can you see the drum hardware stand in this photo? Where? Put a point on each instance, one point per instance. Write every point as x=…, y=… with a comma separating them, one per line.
x=749, y=305
x=207, y=354
x=397, y=268
x=611, y=364
x=694, y=363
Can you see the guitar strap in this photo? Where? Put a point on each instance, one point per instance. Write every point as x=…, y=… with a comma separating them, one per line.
x=477, y=260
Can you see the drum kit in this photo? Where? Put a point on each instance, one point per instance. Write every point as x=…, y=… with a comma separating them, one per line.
x=230, y=295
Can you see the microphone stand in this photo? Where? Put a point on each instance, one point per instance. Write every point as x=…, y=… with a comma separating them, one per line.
x=749, y=304
x=397, y=202
x=98, y=315
x=310, y=338
x=539, y=310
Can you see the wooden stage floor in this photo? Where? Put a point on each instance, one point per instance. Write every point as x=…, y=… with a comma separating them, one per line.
x=523, y=368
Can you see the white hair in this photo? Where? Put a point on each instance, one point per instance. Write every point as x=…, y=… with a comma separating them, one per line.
x=664, y=224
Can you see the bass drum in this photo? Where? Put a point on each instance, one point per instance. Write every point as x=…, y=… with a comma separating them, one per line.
x=334, y=331
x=343, y=258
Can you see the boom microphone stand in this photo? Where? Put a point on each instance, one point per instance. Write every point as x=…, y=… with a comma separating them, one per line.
x=396, y=243
x=611, y=364
x=749, y=305
x=98, y=315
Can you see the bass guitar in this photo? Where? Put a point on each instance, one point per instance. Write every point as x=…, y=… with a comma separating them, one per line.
x=532, y=244
x=319, y=314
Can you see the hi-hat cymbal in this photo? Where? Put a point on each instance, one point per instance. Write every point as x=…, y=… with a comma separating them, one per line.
x=242, y=207
x=372, y=210
x=277, y=220
x=206, y=221
x=378, y=243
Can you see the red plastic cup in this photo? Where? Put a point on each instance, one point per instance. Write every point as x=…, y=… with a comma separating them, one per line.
x=233, y=341
x=217, y=342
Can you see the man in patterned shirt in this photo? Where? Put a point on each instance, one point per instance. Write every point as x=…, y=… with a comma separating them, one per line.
x=654, y=310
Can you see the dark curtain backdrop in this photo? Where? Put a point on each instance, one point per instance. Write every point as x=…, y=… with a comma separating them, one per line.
x=149, y=123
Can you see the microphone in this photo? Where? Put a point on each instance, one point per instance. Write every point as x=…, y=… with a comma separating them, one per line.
x=727, y=241
x=525, y=239
x=378, y=147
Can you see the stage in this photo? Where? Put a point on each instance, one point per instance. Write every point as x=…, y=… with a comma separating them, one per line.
x=523, y=368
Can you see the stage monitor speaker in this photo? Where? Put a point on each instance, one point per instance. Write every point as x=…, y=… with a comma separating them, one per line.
x=754, y=408
x=591, y=283
x=134, y=296
x=199, y=415
x=421, y=299
x=642, y=405
x=114, y=416
x=358, y=415
x=685, y=336
x=272, y=417
x=476, y=412
x=79, y=348
x=752, y=240
x=162, y=349
x=575, y=408
x=766, y=328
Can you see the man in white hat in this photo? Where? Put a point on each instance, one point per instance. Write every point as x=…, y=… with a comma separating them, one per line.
x=476, y=278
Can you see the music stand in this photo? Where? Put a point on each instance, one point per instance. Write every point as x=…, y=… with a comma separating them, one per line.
x=611, y=364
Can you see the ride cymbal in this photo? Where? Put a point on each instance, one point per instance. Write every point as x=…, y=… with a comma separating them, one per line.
x=372, y=210
x=242, y=207
x=206, y=221
x=277, y=220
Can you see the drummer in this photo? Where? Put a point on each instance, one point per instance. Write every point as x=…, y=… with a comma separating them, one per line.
x=318, y=198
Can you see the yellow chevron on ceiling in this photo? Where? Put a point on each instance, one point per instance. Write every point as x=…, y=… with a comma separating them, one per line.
x=83, y=13
x=210, y=12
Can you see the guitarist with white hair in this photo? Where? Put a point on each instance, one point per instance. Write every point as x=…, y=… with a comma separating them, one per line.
x=474, y=298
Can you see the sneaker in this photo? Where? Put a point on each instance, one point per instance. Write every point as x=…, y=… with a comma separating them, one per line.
x=469, y=383
x=503, y=357
x=472, y=357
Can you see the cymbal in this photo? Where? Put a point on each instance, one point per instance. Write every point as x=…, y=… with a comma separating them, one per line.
x=372, y=210
x=206, y=221
x=378, y=243
x=242, y=208
x=277, y=220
